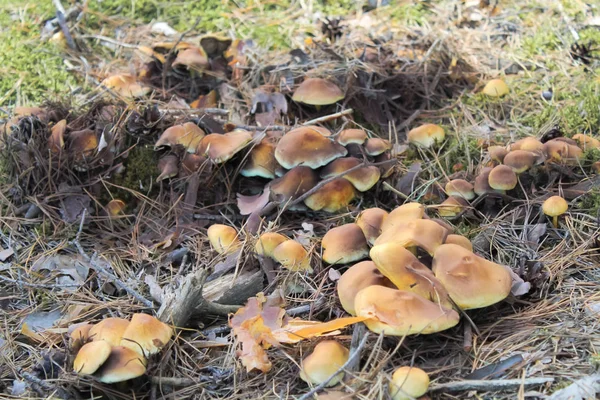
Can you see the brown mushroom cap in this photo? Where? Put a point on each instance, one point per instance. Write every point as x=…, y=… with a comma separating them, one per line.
x=459, y=240
x=109, y=329
x=326, y=359
x=519, y=160
x=115, y=207
x=408, y=383
x=306, y=146
x=125, y=85
x=219, y=148
x=83, y=144
x=497, y=153
x=168, y=166
x=293, y=184
x=193, y=58
x=406, y=272
x=122, y=364
x=267, y=242
x=482, y=185
x=502, y=177
x=403, y=214
x=587, y=141
x=344, y=244
x=56, y=141
x=528, y=144
x=471, y=281
x=375, y=146
x=495, y=88
x=91, y=356
x=424, y=233
x=187, y=135
x=399, y=313
x=371, y=221
x=351, y=136
x=362, y=179
x=562, y=151
x=452, y=206
x=192, y=163
x=460, y=188
x=332, y=197
x=356, y=278
x=146, y=334
x=223, y=239
x=317, y=92
x=261, y=161
x=426, y=135
x=555, y=206
x=293, y=256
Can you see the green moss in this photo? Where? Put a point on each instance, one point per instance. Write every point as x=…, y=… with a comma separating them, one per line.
x=541, y=42
x=140, y=172
x=582, y=112
x=408, y=13
x=590, y=202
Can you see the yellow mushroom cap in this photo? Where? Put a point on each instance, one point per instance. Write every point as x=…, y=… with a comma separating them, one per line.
x=519, y=160
x=223, y=239
x=91, y=356
x=356, y=278
x=122, y=364
x=293, y=256
x=408, y=383
x=586, y=141
x=317, y=92
x=398, y=312
x=351, y=136
x=307, y=146
x=370, y=222
x=403, y=214
x=146, y=334
x=332, y=197
x=497, y=153
x=326, y=359
x=187, y=135
x=471, y=281
x=293, y=183
x=261, y=161
x=426, y=135
x=424, y=233
x=406, y=272
x=375, y=146
x=528, y=144
x=459, y=240
x=266, y=243
x=220, y=148
x=555, y=206
x=80, y=334
x=125, y=85
x=460, y=188
x=83, y=143
x=495, y=88
x=362, y=179
x=452, y=206
x=344, y=244
x=115, y=207
x=109, y=329
x=502, y=177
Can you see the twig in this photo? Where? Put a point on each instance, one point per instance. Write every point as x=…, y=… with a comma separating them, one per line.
x=173, y=381
x=357, y=333
x=38, y=285
x=33, y=380
x=491, y=385
x=329, y=117
x=353, y=355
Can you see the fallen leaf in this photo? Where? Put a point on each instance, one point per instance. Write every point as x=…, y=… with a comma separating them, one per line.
x=36, y=323
x=334, y=275
x=298, y=330
x=18, y=388
x=496, y=369
x=162, y=28
x=70, y=271
x=250, y=204
x=4, y=254
x=519, y=286
x=582, y=389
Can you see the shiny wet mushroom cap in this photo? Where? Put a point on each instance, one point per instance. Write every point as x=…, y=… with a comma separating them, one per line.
x=362, y=179
x=121, y=365
x=146, y=334
x=91, y=356
x=332, y=197
x=452, y=206
x=293, y=256
x=223, y=238
x=403, y=214
x=293, y=184
x=187, y=135
x=502, y=178
x=519, y=160
x=375, y=146
x=423, y=233
x=109, y=329
x=220, y=148
x=408, y=383
x=267, y=242
x=356, y=278
x=426, y=135
x=495, y=88
x=554, y=207
x=371, y=221
x=325, y=360
x=317, y=92
x=351, y=136
x=261, y=161
x=307, y=147
x=344, y=244
x=460, y=188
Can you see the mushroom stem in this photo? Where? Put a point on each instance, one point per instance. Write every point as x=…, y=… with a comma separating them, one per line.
x=555, y=221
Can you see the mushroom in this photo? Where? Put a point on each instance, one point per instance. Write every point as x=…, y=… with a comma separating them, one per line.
x=460, y=188
x=471, y=281
x=554, y=207
x=322, y=365
x=459, y=240
x=423, y=233
x=495, y=88
x=56, y=141
x=332, y=197
x=452, y=206
x=223, y=239
x=585, y=141
x=356, y=278
x=80, y=335
x=344, y=244
x=220, y=148
x=403, y=214
x=528, y=144
x=375, y=146
x=317, y=92
x=146, y=334
x=91, y=356
x=306, y=146
x=426, y=135
x=351, y=136
x=192, y=163
x=370, y=222
x=109, y=329
x=121, y=365
x=497, y=153
x=561, y=151
x=293, y=184
x=83, y=144
x=502, y=178
x=261, y=161
x=408, y=383
x=187, y=135
x=193, y=58
x=362, y=179
x=406, y=272
x=398, y=312
x=115, y=207
x=520, y=160
x=293, y=256
x=482, y=185
x=168, y=166
x=267, y=242
x=125, y=85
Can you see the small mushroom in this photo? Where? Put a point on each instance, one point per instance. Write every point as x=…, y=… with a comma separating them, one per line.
x=146, y=334
x=351, y=136
x=91, y=356
x=332, y=197
x=586, y=141
x=528, y=144
x=56, y=141
x=452, y=206
x=356, y=278
x=423, y=233
x=293, y=184
x=362, y=179
x=317, y=92
x=187, y=135
x=426, y=135
x=267, y=242
x=121, y=365
x=460, y=188
x=223, y=239
x=192, y=58
x=482, y=184
x=109, y=329
x=125, y=85
x=220, y=148
x=403, y=214
x=519, y=160
x=293, y=256
x=115, y=207
x=497, y=153
x=375, y=146
x=344, y=244
x=495, y=88
x=408, y=383
x=306, y=146
x=370, y=222
x=554, y=207
x=324, y=362
x=459, y=240
x=502, y=178
x=261, y=161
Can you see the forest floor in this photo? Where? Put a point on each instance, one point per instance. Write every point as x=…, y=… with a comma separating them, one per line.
x=65, y=259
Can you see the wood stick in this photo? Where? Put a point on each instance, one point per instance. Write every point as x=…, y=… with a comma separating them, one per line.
x=329, y=117
x=491, y=385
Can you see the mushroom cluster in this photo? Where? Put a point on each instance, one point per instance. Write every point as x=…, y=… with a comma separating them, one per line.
x=115, y=349
x=396, y=290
